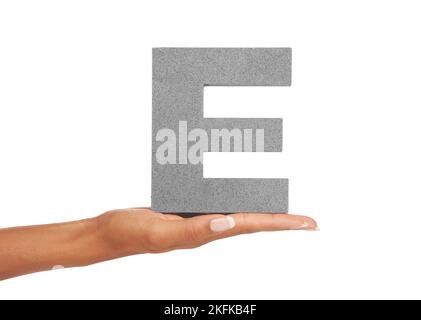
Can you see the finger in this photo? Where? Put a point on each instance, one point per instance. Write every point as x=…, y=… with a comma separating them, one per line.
x=198, y=230
x=256, y=222
x=187, y=232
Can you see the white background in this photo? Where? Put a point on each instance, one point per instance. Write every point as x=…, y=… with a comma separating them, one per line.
x=75, y=122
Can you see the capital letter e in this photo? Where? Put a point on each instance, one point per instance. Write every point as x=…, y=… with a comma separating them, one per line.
x=179, y=75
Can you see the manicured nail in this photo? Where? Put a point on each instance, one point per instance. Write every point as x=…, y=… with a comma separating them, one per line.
x=222, y=224
x=305, y=226
x=314, y=229
x=58, y=266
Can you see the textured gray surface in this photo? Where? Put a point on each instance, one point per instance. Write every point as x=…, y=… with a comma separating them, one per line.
x=179, y=75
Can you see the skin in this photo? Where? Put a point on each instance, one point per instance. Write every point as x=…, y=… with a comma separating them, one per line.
x=125, y=232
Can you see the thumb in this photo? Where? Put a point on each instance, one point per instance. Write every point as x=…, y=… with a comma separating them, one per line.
x=193, y=232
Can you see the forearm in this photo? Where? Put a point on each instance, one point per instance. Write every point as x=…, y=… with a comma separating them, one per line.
x=37, y=248
x=123, y=232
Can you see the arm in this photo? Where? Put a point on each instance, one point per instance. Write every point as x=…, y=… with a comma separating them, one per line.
x=125, y=232
x=38, y=248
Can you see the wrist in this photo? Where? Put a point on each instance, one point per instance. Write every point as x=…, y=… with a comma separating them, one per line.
x=107, y=237
x=84, y=243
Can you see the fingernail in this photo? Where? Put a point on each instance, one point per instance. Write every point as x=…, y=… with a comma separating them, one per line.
x=222, y=224
x=305, y=226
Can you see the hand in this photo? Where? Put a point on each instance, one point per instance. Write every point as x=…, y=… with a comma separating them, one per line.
x=119, y=233
x=141, y=230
